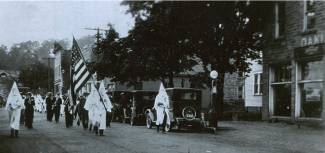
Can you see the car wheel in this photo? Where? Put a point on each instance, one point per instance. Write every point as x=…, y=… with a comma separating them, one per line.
x=177, y=126
x=148, y=122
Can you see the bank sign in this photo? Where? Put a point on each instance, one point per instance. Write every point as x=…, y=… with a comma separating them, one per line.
x=310, y=46
x=311, y=40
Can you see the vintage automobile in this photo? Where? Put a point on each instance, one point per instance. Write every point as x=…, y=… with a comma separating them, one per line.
x=141, y=101
x=117, y=111
x=184, y=111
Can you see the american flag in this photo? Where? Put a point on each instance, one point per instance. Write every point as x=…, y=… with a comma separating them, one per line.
x=79, y=72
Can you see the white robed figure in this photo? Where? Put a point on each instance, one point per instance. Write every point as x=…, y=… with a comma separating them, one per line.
x=38, y=103
x=91, y=105
x=161, y=106
x=96, y=110
x=106, y=106
x=14, y=105
x=41, y=103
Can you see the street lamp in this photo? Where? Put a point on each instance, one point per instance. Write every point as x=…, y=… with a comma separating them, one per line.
x=213, y=117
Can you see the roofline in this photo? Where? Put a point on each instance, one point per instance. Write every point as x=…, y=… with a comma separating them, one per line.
x=145, y=90
x=182, y=88
x=133, y=90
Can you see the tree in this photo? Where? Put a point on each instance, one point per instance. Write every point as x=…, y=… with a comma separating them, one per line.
x=35, y=76
x=223, y=35
x=4, y=57
x=157, y=41
x=113, y=58
x=43, y=50
x=108, y=62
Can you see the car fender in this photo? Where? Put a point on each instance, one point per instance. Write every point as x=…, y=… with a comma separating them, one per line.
x=150, y=113
x=171, y=115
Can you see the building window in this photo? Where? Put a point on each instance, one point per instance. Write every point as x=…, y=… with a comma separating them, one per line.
x=310, y=85
x=281, y=90
x=279, y=19
x=241, y=92
x=309, y=15
x=257, y=84
x=282, y=73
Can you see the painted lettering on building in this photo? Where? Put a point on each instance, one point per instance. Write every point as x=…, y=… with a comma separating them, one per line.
x=312, y=40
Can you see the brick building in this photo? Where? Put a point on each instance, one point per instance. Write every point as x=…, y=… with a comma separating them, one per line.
x=293, y=62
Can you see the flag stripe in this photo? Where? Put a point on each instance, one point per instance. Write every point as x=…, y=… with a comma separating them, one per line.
x=80, y=73
x=79, y=65
x=80, y=76
x=83, y=82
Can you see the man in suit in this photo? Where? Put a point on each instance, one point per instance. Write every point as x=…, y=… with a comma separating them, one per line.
x=49, y=104
x=29, y=111
x=57, y=107
x=68, y=111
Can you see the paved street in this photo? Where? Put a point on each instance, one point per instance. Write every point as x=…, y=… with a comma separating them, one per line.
x=232, y=137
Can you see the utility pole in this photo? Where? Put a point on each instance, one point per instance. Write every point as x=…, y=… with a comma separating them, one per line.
x=98, y=35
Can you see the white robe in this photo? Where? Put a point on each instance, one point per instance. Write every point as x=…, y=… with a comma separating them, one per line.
x=96, y=109
x=15, y=119
x=14, y=105
x=102, y=119
x=107, y=102
x=162, y=106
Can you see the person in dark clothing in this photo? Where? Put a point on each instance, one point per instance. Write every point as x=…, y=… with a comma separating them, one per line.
x=22, y=113
x=68, y=111
x=82, y=112
x=108, y=119
x=57, y=107
x=29, y=111
x=124, y=102
x=49, y=105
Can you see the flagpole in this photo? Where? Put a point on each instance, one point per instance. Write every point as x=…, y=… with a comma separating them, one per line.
x=84, y=61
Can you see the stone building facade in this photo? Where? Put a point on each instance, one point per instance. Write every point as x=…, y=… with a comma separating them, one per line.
x=293, y=62
x=62, y=71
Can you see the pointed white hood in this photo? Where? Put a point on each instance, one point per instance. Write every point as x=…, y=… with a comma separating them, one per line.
x=14, y=99
x=162, y=97
x=93, y=98
x=107, y=101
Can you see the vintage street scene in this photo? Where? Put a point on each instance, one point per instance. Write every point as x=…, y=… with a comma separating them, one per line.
x=117, y=76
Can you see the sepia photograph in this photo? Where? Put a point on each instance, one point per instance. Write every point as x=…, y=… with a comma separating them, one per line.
x=162, y=76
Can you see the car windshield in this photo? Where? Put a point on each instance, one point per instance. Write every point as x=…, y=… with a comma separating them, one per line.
x=188, y=95
x=148, y=97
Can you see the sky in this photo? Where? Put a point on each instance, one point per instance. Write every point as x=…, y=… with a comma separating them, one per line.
x=41, y=20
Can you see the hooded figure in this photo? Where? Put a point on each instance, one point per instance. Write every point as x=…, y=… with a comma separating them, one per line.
x=14, y=105
x=95, y=108
x=38, y=103
x=108, y=106
x=161, y=106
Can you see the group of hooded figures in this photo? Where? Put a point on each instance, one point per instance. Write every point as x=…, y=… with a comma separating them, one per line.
x=91, y=111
